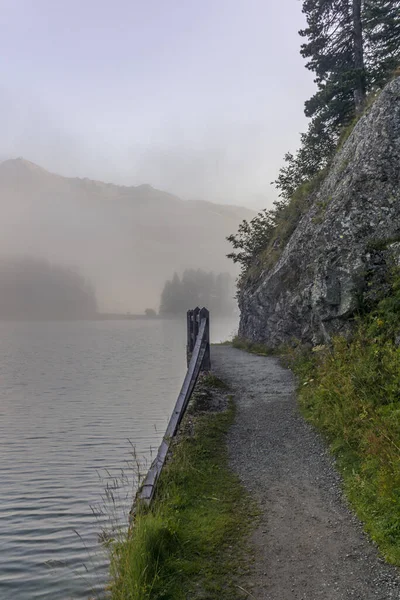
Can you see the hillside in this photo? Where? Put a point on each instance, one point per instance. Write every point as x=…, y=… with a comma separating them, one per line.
x=128, y=240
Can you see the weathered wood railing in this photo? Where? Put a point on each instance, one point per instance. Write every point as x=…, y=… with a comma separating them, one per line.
x=194, y=319
x=198, y=357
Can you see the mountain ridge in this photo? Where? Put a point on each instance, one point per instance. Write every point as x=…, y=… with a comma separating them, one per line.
x=21, y=166
x=128, y=240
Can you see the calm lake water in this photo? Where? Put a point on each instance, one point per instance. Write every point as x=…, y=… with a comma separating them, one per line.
x=75, y=398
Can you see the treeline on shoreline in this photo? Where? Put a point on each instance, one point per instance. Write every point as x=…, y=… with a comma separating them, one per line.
x=199, y=288
x=35, y=289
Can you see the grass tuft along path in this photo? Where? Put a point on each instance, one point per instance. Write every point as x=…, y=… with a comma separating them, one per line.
x=308, y=544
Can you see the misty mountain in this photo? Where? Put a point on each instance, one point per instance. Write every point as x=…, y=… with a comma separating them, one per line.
x=126, y=240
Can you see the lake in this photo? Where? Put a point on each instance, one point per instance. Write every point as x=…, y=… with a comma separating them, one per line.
x=75, y=399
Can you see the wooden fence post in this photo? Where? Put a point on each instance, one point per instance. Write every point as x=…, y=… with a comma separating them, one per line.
x=205, y=314
x=196, y=325
x=146, y=491
x=189, y=345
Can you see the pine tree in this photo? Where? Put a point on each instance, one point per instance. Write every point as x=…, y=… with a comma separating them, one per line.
x=335, y=49
x=353, y=47
x=198, y=288
x=171, y=297
x=359, y=75
x=166, y=299
x=382, y=39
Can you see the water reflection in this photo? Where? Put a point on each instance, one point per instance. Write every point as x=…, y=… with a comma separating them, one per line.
x=75, y=398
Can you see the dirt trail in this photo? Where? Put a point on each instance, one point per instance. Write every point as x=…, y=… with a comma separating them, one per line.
x=308, y=545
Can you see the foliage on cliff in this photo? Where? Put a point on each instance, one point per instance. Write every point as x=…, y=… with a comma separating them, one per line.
x=342, y=248
x=258, y=243
x=252, y=237
x=353, y=48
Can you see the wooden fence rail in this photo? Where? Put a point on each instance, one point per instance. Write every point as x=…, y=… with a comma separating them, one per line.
x=198, y=357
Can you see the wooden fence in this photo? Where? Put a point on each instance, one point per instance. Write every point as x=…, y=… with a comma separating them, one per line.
x=198, y=358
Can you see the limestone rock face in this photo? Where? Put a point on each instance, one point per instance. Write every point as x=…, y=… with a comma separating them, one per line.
x=343, y=247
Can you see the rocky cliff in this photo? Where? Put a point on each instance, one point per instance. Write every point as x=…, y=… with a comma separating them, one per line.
x=343, y=248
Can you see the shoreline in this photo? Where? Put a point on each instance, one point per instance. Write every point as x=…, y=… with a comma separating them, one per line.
x=108, y=317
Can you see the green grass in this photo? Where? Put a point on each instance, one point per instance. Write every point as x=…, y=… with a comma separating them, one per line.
x=252, y=347
x=212, y=381
x=351, y=392
x=192, y=542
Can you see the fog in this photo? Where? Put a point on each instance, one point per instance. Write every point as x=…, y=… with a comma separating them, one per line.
x=126, y=241
x=198, y=101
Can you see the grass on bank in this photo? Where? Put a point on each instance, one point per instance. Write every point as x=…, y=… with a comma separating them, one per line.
x=191, y=543
x=252, y=347
x=351, y=392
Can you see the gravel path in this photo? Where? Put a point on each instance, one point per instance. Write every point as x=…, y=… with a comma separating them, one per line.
x=308, y=544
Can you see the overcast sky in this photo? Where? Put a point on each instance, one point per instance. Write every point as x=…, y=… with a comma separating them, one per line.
x=199, y=98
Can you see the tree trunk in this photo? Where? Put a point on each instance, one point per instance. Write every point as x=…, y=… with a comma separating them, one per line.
x=359, y=87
